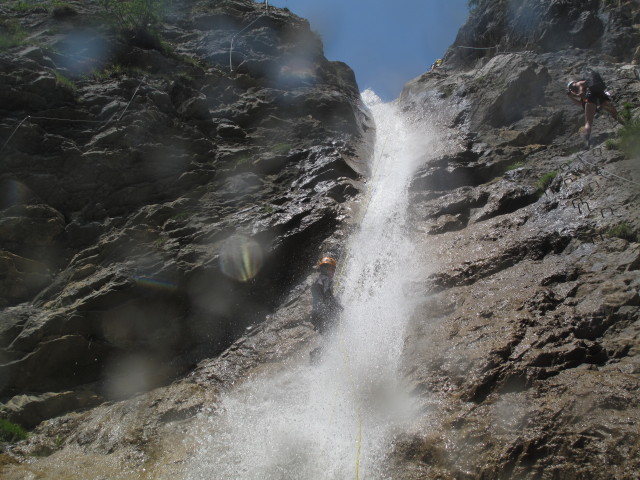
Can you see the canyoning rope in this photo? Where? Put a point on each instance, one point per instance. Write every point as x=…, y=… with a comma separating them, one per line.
x=475, y=48
x=491, y=48
x=582, y=205
x=602, y=171
x=341, y=337
x=346, y=363
x=233, y=37
x=14, y=132
x=76, y=120
x=135, y=92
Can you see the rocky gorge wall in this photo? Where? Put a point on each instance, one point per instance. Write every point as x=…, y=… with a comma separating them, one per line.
x=160, y=193
x=523, y=351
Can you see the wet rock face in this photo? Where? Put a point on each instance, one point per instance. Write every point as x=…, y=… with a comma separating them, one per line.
x=524, y=353
x=547, y=26
x=157, y=200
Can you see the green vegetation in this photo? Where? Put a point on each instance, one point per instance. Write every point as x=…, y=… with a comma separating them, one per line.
x=160, y=242
x=545, y=180
x=63, y=81
x=183, y=216
x=244, y=159
x=626, y=114
x=111, y=71
x=139, y=20
x=628, y=137
x=10, y=432
x=514, y=166
x=26, y=6
x=194, y=62
x=23, y=6
x=115, y=71
x=611, y=144
x=623, y=230
x=132, y=15
x=281, y=148
x=11, y=34
x=58, y=441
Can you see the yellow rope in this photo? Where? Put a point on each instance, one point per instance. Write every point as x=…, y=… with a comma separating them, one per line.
x=345, y=357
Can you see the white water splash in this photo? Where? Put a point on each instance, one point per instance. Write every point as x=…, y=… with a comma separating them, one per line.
x=336, y=420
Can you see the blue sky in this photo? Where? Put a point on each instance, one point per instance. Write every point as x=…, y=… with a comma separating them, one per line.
x=386, y=42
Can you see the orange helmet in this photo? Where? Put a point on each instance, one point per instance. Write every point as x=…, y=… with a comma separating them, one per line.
x=328, y=261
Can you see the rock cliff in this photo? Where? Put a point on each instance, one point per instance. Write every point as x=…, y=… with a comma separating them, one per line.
x=161, y=192
x=523, y=353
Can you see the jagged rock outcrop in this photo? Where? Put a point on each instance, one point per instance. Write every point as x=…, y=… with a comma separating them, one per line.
x=608, y=27
x=525, y=353
x=159, y=193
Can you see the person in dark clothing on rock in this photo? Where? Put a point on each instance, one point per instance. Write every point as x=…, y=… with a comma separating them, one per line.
x=591, y=93
x=325, y=308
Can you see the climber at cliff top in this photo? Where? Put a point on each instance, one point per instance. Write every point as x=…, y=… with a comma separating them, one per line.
x=591, y=93
x=325, y=306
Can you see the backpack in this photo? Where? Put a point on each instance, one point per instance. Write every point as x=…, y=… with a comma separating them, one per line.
x=594, y=81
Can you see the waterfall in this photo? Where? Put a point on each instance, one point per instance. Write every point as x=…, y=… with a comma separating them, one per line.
x=336, y=419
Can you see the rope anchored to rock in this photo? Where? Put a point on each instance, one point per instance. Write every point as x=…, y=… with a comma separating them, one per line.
x=491, y=48
x=233, y=37
x=77, y=120
x=602, y=171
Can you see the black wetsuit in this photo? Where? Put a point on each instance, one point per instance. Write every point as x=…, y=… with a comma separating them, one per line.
x=325, y=306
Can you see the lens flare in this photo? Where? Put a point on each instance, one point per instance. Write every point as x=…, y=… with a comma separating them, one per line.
x=297, y=73
x=13, y=192
x=240, y=258
x=131, y=374
x=155, y=283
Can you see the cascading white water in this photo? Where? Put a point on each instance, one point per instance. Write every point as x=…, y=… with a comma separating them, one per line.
x=336, y=420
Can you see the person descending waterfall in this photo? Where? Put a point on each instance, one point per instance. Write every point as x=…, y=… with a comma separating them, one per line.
x=591, y=93
x=325, y=306
x=325, y=309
